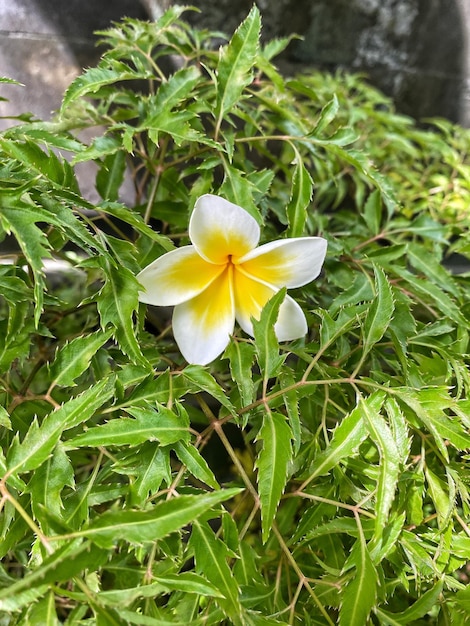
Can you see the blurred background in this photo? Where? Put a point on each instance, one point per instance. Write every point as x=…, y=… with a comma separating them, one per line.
x=416, y=51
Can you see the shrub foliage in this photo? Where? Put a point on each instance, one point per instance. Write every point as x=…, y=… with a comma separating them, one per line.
x=324, y=481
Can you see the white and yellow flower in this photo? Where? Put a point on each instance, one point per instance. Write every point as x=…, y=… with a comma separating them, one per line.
x=223, y=276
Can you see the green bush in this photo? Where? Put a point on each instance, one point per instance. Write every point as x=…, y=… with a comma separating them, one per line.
x=320, y=481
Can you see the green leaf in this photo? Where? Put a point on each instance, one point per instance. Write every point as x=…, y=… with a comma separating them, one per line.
x=429, y=405
x=433, y=294
x=117, y=304
x=439, y=493
x=94, y=78
x=373, y=212
x=418, y=609
x=111, y=175
x=139, y=527
x=160, y=424
x=389, y=467
x=74, y=358
x=236, y=60
x=202, y=380
x=170, y=94
x=347, y=436
x=380, y=313
x=48, y=481
x=327, y=115
x=273, y=466
x=211, y=555
x=121, y=212
x=266, y=343
x=291, y=402
x=44, y=612
x=195, y=463
x=188, y=582
x=360, y=593
x=237, y=188
x=21, y=221
x=301, y=196
x=40, y=440
x=436, y=273
x=62, y=565
x=241, y=357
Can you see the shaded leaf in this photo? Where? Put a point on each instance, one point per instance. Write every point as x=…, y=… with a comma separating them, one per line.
x=360, y=593
x=139, y=527
x=40, y=440
x=273, y=466
x=74, y=358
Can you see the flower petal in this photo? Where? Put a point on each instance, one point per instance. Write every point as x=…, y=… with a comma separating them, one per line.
x=219, y=229
x=286, y=262
x=250, y=297
x=291, y=323
x=176, y=276
x=202, y=325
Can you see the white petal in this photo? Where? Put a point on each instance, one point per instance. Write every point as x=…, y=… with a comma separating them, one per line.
x=286, y=262
x=219, y=229
x=250, y=297
x=176, y=276
x=291, y=323
x=202, y=326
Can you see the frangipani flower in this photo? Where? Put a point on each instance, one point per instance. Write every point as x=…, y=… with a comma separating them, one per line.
x=223, y=276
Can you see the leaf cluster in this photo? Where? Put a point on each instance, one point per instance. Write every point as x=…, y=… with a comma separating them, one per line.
x=324, y=481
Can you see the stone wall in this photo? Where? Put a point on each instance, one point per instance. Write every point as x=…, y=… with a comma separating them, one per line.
x=417, y=51
x=414, y=50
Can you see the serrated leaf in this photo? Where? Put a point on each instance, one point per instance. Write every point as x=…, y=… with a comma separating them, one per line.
x=48, y=481
x=211, y=554
x=327, y=115
x=117, y=303
x=443, y=502
x=432, y=293
x=111, y=175
x=40, y=440
x=67, y=561
x=138, y=527
x=360, y=593
x=300, y=198
x=161, y=425
x=418, y=609
x=266, y=343
x=43, y=612
x=373, y=212
x=21, y=222
x=237, y=188
x=121, y=212
x=273, y=466
x=291, y=402
x=201, y=379
x=429, y=405
x=94, y=78
x=74, y=358
x=389, y=466
x=362, y=163
x=241, y=356
x=380, y=312
x=171, y=93
x=237, y=58
x=195, y=463
x=420, y=259
x=188, y=582
x=347, y=436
